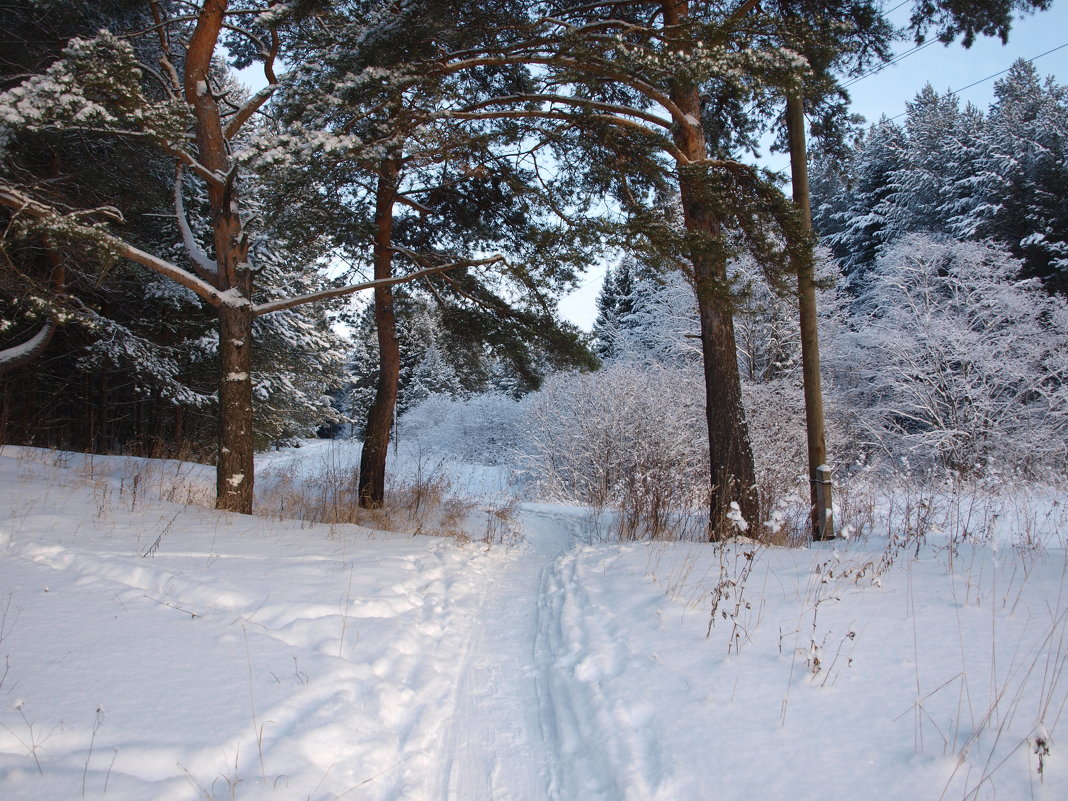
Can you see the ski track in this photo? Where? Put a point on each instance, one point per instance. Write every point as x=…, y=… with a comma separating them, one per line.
x=532, y=718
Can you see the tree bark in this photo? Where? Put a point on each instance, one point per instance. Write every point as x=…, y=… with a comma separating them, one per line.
x=819, y=479
x=372, y=482
x=234, y=470
x=731, y=470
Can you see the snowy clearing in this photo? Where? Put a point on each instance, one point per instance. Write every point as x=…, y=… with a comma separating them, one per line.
x=154, y=649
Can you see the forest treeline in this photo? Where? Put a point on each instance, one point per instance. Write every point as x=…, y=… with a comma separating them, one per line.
x=998, y=175
x=945, y=340
x=179, y=253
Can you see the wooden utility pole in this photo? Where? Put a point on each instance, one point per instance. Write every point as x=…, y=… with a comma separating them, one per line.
x=818, y=469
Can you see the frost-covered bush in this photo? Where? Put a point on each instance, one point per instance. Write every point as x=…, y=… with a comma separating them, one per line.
x=483, y=429
x=655, y=322
x=950, y=359
x=628, y=436
x=775, y=412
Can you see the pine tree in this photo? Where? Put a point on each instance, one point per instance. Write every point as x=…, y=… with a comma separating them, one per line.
x=658, y=99
x=999, y=176
x=425, y=192
x=185, y=108
x=616, y=304
x=932, y=129
x=606, y=324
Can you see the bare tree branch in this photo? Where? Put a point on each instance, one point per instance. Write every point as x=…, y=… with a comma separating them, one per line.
x=288, y=303
x=610, y=119
x=254, y=104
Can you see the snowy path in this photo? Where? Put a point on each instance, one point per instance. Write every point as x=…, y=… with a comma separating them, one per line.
x=154, y=651
x=532, y=720
x=500, y=744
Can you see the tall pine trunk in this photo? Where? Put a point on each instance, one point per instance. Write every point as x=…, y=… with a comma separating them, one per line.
x=235, y=467
x=372, y=483
x=732, y=476
x=234, y=473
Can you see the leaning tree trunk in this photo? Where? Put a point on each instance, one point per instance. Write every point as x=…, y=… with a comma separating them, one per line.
x=372, y=483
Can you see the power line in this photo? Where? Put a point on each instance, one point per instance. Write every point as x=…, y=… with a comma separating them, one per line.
x=996, y=74
x=895, y=60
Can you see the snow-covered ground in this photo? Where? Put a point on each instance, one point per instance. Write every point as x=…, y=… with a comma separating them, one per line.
x=151, y=648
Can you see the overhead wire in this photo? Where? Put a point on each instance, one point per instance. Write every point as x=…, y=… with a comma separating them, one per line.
x=896, y=59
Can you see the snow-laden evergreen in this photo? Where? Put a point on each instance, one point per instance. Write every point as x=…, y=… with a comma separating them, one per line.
x=999, y=175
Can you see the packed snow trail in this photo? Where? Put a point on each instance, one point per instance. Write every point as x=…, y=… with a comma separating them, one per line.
x=498, y=745
x=530, y=720
x=152, y=650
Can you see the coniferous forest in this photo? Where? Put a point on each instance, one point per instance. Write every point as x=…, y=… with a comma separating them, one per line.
x=380, y=231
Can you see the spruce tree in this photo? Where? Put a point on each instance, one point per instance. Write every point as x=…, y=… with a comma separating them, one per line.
x=1027, y=161
x=870, y=218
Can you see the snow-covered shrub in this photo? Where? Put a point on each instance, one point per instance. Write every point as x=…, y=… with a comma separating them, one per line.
x=654, y=322
x=629, y=437
x=950, y=359
x=767, y=330
x=483, y=429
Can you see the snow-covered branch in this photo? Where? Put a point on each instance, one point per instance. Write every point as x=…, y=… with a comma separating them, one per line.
x=20, y=202
x=580, y=102
x=205, y=266
x=25, y=352
x=253, y=105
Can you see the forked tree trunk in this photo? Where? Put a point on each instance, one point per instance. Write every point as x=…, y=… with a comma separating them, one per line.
x=372, y=482
x=235, y=468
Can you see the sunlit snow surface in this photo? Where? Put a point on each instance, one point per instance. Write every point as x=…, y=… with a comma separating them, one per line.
x=151, y=649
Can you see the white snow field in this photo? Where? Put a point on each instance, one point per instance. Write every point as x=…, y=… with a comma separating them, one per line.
x=151, y=648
